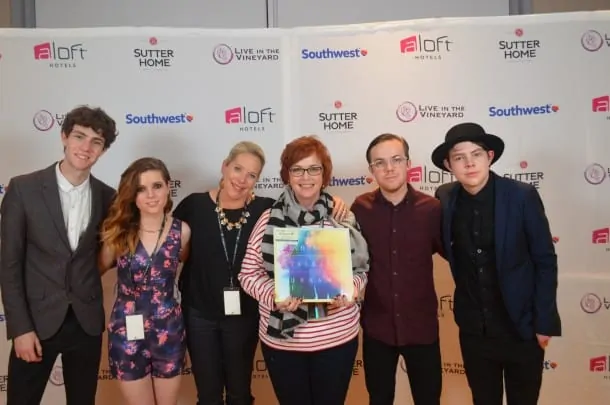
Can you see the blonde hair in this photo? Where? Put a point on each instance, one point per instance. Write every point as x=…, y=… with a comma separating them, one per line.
x=241, y=148
x=246, y=147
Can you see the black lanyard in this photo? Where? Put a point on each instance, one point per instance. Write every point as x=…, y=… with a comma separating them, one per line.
x=151, y=258
x=231, y=264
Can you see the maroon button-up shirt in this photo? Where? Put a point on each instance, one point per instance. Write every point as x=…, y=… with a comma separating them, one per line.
x=400, y=303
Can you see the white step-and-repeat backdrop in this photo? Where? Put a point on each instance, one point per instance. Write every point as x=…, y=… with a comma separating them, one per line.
x=187, y=95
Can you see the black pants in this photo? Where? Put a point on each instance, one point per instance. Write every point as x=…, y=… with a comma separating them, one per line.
x=80, y=355
x=423, y=366
x=222, y=356
x=490, y=363
x=311, y=378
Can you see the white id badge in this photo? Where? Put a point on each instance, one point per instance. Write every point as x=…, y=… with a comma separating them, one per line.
x=232, y=301
x=134, y=325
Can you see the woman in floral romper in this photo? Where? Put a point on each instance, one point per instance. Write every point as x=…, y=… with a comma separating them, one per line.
x=146, y=335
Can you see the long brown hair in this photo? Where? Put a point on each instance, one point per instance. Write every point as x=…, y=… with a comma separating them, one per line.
x=120, y=228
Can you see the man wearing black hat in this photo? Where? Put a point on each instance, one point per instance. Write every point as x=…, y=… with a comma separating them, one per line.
x=500, y=249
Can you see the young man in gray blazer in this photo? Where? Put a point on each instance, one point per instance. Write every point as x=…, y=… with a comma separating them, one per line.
x=49, y=277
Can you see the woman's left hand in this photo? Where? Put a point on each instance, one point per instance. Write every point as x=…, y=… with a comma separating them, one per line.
x=341, y=301
x=340, y=209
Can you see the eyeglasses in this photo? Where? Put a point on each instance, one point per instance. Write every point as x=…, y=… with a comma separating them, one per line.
x=394, y=161
x=311, y=170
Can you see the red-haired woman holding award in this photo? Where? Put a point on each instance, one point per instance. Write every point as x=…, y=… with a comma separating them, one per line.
x=309, y=347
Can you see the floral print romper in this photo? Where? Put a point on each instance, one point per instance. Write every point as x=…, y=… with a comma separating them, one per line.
x=162, y=352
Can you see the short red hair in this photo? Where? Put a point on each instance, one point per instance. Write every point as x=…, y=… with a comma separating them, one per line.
x=302, y=148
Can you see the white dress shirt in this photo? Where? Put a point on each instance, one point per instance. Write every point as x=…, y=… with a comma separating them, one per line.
x=75, y=205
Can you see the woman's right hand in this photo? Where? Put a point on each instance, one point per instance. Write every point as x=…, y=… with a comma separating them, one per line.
x=290, y=304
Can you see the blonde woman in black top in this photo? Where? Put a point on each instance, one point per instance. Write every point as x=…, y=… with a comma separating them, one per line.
x=221, y=320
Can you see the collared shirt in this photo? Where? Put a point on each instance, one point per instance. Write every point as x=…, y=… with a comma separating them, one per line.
x=479, y=308
x=400, y=304
x=75, y=205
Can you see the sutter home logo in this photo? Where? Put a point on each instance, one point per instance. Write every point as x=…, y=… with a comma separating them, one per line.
x=338, y=120
x=519, y=49
x=154, y=57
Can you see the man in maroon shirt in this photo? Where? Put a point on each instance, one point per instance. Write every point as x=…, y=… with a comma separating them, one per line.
x=399, y=313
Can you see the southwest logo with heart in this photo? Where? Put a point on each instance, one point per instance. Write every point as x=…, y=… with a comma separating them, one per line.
x=350, y=181
x=520, y=110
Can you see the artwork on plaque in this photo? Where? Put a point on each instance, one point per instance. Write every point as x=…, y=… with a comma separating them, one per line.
x=312, y=263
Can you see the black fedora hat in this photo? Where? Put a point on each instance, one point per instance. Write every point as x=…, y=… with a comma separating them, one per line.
x=467, y=132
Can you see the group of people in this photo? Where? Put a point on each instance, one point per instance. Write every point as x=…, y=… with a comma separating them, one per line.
x=61, y=229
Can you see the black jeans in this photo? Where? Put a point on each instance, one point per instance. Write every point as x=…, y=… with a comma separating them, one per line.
x=490, y=363
x=423, y=366
x=222, y=356
x=80, y=355
x=311, y=378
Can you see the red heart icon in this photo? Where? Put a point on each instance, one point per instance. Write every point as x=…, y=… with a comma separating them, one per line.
x=364, y=52
x=555, y=239
x=555, y=108
x=553, y=365
x=369, y=180
x=189, y=117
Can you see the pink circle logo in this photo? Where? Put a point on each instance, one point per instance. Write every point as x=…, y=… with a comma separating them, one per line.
x=57, y=375
x=43, y=120
x=592, y=41
x=406, y=112
x=595, y=174
x=222, y=54
x=591, y=303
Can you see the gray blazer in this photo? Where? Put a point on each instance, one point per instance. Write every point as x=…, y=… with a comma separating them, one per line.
x=40, y=275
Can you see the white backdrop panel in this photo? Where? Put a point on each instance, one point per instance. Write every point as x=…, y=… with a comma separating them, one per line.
x=187, y=95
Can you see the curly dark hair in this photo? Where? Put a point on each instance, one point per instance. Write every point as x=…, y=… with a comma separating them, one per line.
x=94, y=118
